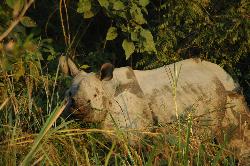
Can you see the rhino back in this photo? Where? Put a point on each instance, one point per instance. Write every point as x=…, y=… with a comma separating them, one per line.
x=198, y=88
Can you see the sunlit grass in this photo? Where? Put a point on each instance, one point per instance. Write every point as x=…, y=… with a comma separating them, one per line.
x=70, y=144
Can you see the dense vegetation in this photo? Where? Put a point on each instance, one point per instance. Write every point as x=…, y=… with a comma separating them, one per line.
x=141, y=33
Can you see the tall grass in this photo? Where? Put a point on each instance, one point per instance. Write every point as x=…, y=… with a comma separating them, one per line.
x=69, y=144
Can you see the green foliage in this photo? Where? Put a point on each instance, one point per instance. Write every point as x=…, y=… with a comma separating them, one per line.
x=143, y=3
x=129, y=18
x=148, y=42
x=137, y=15
x=104, y=3
x=84, y=6
x=200, y=29
x=128, y=47
x=22, y=55
x=112, y=33
x=118, y=5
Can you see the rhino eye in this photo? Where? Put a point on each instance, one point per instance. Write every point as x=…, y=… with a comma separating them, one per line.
x=95, y=95
x=88, y=101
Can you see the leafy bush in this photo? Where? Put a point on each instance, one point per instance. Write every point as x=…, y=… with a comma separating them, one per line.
x=22, y=72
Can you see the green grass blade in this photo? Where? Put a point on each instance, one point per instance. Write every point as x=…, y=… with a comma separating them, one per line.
x=109, y=154
x=188, y=132
x=87, y=157
x=50, y=121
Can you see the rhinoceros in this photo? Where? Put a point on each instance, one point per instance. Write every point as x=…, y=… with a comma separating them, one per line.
x=135, y=99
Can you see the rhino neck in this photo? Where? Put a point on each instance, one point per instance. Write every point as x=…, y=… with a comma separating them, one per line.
x=127, y=103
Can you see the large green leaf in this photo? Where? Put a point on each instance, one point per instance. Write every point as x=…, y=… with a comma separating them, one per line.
x=104, y=3
x=88, y=14
x=128, y=47
x=134, y=36
x=84, y=67
x=137, y=15
x=148, y=43
x=118, y=5
x=84, y=6
x=143, y=3
x=112, y=33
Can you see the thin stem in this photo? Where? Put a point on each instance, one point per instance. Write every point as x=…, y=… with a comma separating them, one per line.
x=63, y=28
x=67, y=19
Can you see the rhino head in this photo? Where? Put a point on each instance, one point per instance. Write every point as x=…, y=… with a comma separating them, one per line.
x=88, y=100
x=98, y=97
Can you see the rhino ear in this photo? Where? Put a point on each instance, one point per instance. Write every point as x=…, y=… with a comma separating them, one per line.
x=106, y=72
x=67, y=65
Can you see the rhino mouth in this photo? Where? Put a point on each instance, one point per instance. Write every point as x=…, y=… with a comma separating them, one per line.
x=83, y=110
x=80, y=109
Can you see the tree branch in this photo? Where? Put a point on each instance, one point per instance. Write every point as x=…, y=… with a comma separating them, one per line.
x=16, y=21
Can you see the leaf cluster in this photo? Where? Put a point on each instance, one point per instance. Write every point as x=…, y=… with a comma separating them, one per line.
x=128, y=23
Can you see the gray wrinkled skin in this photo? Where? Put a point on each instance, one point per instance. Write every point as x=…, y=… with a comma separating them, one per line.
x=135, y=99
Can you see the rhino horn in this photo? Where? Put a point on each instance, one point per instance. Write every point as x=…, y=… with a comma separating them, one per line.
x=64, y=65
x=67, y=65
